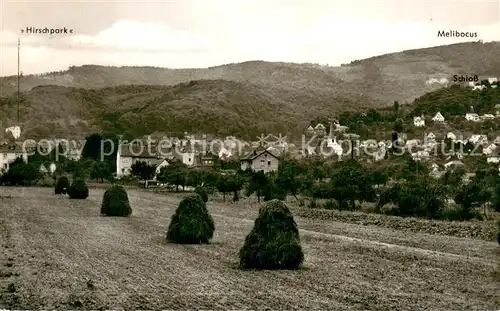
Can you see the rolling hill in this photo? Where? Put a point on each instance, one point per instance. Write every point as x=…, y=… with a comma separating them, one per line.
x=241, y=99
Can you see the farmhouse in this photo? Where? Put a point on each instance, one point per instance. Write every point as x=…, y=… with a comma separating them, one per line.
x=262, y=160
x=9, y=153
x=419, y=121
x=472, y=117
x=438, y=117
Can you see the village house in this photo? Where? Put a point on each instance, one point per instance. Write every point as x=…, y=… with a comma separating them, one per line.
x=453, y=164
x=420, y=155
x=492, y=80
x=207, y=159
x=451, y=136
x=262, y=160
x=320, y=129
x=438, y=117
x=128, y=154
x=478, y=87
x=310, y=130
x=490, y=149
x=9, y=153
x=430, y=137
x=493, y=157
x=419, y=121
x=478, y=139
x=487, y=116
x=472, y=117
x=496, y=141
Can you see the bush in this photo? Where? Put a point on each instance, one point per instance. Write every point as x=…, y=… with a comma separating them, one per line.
x=274, y=241
x=498, y=235
x=191, y=223
x=115, y=202
x=78, y=189
x=202, y=193
x=62, y=185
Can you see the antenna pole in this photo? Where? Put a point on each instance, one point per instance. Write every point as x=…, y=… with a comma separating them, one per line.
x=18, y=76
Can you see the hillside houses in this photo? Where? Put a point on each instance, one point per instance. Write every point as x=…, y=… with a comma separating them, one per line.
x=478, y=139
x=419, y=121
x=320, y=130
x=472, y=116
x=493, y=157
x=438, y=118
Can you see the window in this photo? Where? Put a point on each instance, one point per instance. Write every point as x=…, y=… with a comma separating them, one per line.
x=262, y=163
x=268, y=163
x=189, y=160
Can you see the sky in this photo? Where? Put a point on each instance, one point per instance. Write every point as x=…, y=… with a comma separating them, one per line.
x=203, y=33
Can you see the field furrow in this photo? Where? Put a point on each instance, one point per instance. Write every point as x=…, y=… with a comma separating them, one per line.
x=66, y=256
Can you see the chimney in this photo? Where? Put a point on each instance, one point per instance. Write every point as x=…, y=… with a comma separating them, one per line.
x=255, y=152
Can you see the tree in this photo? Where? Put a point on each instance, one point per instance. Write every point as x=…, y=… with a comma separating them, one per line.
x=173, y=175
x=256, y=184
x=470, y=196
x=350, y=182
x=142, y=170
x=398, y=125
x=191, y=223
x=99, y=170
x=395, y=106
x=224, y=185
x=236, y=183
x=21, y=173
x=274, y=241
x=379, y=178
x=92, y=147
x=287, y=178
x=115, y=202
x=419, y=197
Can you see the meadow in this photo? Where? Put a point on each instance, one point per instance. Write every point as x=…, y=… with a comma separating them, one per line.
x=58, y=253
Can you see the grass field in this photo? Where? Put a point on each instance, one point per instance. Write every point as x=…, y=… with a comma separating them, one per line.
x=58, y=253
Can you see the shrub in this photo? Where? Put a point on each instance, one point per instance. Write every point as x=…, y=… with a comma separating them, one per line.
x=274, y=241
x=191, y=223
x=498, y=235
x=202, y=193
x=115, y=202
x=78, y=189
x=62, y=185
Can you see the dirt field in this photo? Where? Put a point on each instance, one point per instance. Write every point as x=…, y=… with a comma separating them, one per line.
x=61, y=254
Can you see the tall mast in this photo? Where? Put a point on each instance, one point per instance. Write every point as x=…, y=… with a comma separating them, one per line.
x=18, y=76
